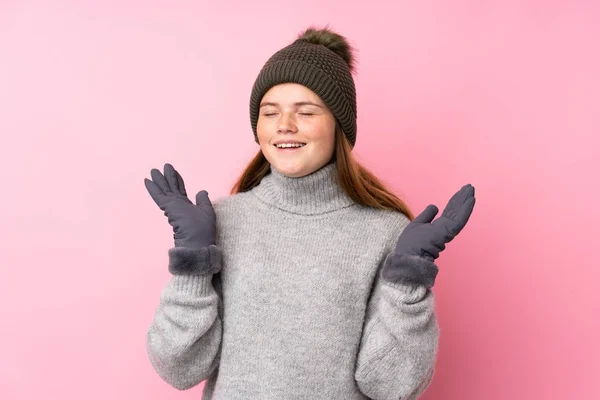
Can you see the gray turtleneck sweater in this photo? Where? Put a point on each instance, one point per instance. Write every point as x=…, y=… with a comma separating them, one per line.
x=298, y=309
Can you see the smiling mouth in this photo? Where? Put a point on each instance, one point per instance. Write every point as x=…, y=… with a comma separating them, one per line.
x=290, y=145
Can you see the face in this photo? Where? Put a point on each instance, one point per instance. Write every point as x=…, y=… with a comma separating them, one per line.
x=295, y=130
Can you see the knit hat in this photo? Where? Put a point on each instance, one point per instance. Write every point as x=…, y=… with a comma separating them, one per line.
x=321, y=60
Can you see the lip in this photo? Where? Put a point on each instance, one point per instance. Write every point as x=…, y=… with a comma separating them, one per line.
x=288, y=149
x=288, y=141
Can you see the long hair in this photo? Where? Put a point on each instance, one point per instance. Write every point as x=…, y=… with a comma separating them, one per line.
x=361, y=185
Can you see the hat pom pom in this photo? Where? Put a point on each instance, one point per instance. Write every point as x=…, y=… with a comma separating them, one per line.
x=333, y=41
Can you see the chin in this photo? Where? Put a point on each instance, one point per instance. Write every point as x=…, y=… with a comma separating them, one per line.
x=294, y=171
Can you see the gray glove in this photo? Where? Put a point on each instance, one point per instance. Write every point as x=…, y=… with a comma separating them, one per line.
x=194, y=225
x=425, y=239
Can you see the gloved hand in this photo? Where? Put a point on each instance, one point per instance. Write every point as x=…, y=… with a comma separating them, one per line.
x=426, y=239
x=194, y=225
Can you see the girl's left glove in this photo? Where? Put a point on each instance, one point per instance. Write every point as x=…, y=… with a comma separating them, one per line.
x=425, y=239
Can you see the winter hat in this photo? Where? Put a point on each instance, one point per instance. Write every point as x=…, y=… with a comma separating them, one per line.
x=321, y=60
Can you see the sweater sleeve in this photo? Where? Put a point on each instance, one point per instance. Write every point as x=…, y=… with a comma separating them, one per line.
x=398, y=348
x=183, y=342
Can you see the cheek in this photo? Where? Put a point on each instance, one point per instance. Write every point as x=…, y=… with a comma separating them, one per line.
x=322, y=131
x=326, y=136
x=261, y=131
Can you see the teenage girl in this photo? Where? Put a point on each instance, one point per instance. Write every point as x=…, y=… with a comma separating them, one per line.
x=312, y=280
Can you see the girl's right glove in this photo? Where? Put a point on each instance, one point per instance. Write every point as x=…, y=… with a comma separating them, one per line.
x=194, y=225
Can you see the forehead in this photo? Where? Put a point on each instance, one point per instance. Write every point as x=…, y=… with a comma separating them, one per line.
x=290, y=92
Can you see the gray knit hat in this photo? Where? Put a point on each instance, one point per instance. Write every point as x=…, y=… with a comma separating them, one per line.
x=322, y=61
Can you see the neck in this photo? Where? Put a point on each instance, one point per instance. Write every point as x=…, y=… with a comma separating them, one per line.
x=316, y=193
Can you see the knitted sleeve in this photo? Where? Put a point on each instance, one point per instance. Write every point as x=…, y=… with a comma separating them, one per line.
x=398, y=348
x=183, y=342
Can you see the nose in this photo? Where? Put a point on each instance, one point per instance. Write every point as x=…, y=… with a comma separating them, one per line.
x=287, y=123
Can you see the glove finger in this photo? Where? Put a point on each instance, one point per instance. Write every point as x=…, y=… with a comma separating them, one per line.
x=457, y=200
x=160, y=181
x=427, y=215
x=453, y=223
x=202, y=199
x=155, y=192
x=180, y=183
x=463, y=215
x=171, y=177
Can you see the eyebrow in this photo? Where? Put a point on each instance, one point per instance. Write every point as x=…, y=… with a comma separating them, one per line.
x=299, y=103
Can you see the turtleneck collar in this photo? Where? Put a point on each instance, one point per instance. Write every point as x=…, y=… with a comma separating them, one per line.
x=312, y=194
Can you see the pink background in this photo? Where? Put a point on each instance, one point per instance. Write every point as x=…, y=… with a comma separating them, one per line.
x=503, y=95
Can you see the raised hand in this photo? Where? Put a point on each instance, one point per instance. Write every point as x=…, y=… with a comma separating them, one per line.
x=427, y=239
x=194, y=225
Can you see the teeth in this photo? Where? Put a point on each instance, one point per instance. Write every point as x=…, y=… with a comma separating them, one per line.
x=286, y=145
